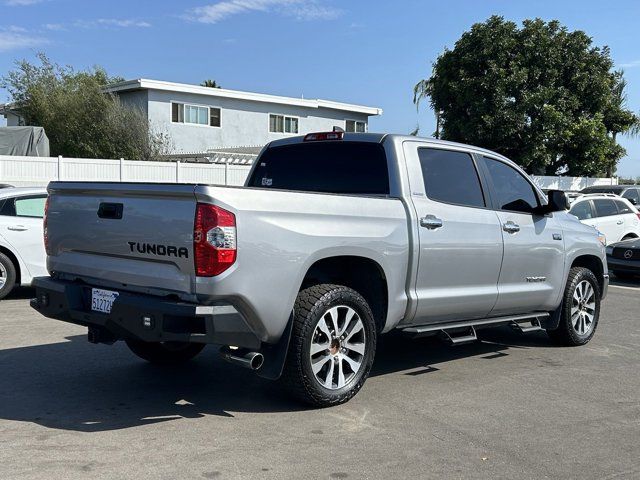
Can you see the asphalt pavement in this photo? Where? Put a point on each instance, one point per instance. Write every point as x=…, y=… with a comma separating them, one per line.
x=512, y=406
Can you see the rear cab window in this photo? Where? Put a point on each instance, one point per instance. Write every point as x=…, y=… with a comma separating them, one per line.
x=351, y=168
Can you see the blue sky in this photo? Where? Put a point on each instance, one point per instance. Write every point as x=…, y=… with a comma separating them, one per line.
x=368, y=52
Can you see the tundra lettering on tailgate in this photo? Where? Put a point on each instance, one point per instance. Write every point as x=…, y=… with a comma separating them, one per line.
x=160, y=250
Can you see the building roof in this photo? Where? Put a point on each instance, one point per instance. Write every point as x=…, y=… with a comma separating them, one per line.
x=8, y=108
x=146, y=84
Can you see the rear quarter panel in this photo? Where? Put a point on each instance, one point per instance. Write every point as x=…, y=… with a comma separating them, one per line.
x=280, y=234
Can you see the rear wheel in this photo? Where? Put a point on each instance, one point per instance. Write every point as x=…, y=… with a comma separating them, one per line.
x=165, y=353
x=7, y=276
x=332, y=345
x=580, y=309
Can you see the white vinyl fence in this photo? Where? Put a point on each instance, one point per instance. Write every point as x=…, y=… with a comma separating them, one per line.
x=39, y=171
x=572, y=183
x=226, y=169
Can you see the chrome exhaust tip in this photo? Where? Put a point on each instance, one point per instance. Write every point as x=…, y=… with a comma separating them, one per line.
x=243, y=358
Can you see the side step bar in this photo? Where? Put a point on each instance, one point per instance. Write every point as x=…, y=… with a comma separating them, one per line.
x=459, y=333
x=530, y=325
x=460, y=338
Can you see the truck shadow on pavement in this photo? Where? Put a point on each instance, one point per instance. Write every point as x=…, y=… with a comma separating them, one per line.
x=77, y=386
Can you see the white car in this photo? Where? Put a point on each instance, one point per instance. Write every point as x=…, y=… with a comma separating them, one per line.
x=614, y=216
x=22, y=254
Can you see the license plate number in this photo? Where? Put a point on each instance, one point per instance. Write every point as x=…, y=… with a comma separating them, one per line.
x=102, y=300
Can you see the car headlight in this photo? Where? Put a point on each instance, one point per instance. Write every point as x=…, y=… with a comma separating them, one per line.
x=609, y=250
x=602, y=238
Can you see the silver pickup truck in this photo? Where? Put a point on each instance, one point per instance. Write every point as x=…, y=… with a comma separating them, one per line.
x=335, y=239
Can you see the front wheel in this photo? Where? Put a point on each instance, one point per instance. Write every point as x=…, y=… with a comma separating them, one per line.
x=580, y=309
x=7, y=276
x=332, y=345
x=165, y=353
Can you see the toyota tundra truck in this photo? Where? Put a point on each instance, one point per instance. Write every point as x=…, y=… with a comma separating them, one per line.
x=335, y=239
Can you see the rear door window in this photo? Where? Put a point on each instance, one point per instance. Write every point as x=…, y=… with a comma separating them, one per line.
x=605, y=207
x=358, y=168
x=32, y=206
x=582, y=210
x=450, y=177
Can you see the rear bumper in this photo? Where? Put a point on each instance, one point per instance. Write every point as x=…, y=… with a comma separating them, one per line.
x=143, y=317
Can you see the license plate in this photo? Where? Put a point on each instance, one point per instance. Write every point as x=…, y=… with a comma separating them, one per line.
x=102, y=300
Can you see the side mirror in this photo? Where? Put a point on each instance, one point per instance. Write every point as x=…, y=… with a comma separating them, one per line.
x=558, y=201
x=633, y=201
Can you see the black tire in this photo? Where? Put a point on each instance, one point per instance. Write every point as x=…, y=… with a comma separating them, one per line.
x=624, y=275
x=567, y=334
x=8, y=274
x=165, y=353
x=312, y=305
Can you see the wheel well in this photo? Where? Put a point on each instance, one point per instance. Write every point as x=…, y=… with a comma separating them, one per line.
x=594, y=264
x=15, y=262
x=629, y=235
x=362, y=274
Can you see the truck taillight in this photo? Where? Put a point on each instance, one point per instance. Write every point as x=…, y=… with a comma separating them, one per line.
x=45, y=230
x=214, y=240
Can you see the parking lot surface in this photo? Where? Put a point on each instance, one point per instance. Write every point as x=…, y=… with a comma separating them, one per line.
x=511, y=406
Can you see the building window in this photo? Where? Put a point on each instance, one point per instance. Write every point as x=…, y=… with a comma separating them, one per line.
x=195, y=114
x=355, y=126
x=214, y=117
x=282, y=124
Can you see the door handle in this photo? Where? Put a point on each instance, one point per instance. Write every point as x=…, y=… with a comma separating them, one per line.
x=431, y=222
x=619, y=222
x=511, y=227
x=17, y=228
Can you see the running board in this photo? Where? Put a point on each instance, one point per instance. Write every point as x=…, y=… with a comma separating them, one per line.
x=524, y=323
x=527, y=326
x=460, y=337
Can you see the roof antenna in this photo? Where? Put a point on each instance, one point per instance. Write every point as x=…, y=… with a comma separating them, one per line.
x=338, y=129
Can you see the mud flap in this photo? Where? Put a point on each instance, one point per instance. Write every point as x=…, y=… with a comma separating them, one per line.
x=276, y=354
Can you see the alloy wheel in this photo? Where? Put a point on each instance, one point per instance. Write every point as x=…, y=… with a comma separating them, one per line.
x=583, y=308
x=337, y=347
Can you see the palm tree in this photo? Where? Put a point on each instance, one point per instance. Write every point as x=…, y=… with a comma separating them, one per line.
x=623, y=120
x=422, y=90
x=210, y=83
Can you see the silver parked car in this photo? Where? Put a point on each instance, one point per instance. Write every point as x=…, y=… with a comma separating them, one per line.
x=336, y=239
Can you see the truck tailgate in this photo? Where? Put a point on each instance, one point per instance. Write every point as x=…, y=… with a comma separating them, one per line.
x=136, y=236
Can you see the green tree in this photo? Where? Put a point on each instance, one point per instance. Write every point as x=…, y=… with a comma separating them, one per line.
x=210, y=83
x=539, y=94
x=78, y=117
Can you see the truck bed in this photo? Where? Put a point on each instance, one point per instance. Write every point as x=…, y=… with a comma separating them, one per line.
x=280, y=234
